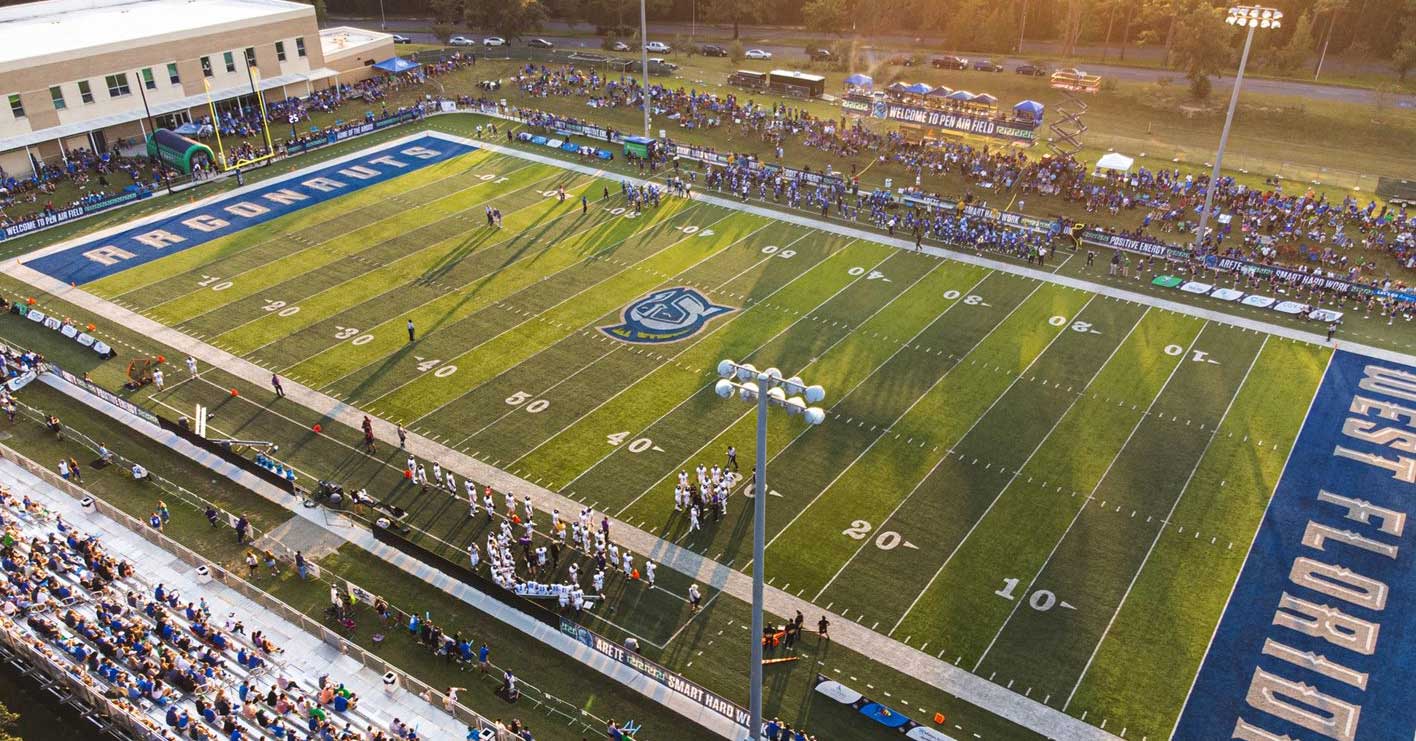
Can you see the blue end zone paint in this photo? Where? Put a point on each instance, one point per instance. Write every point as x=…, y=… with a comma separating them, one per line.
x=99, y=258
x=1266, y=676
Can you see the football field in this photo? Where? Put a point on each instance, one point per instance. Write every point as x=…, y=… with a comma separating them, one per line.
x=1051, y=488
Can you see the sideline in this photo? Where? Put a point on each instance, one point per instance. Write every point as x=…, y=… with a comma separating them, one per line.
x=348, y=531
x=990, y=697
x=949, y=254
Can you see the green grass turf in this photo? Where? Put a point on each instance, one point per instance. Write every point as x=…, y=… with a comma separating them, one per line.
x=561, y=689
x=1183, y=585
x=983, y=427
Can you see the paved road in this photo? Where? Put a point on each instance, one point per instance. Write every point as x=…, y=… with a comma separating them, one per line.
x=779, y=41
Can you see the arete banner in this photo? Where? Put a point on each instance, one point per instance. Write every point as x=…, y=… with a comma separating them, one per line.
x=673, y=681
x=1152, y=248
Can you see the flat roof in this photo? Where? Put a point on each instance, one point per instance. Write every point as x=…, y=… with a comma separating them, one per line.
x=59, y=28
x=794, y=75
x=335, y=42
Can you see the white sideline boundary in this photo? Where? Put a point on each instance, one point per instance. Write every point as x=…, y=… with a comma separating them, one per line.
x=956, y=681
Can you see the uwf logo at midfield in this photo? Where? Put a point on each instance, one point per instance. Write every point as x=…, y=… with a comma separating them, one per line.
x=668, y=315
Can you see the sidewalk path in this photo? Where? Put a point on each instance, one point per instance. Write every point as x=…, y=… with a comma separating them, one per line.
x=991, y=697
x=302, y=650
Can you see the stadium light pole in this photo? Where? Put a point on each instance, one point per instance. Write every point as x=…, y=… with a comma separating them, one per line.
x=1252, y=17
x=644, y=58
x=767, y=388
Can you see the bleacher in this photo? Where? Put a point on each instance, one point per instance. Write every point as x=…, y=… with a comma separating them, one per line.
x=156, y=653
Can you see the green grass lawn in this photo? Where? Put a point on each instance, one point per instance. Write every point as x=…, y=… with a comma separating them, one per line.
x=1008, y=478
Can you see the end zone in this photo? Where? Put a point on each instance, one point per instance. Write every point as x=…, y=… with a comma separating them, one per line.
x=1319, y=636
x=90, y=258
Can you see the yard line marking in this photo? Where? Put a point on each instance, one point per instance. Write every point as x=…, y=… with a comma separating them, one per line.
x=704, y=446
x=647, y=225
x=401, y=259
x=1161, y=530
x=620, y=345
x=1016, y=473
x=961, y=438
x=716, y=252
x=289, y=235
x=686, y=399
x=1119, y=451
x=1307, y=417
x=357, y=256
x=901, y=415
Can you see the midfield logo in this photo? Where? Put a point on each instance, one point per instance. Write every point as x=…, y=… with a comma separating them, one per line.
x=669, y=315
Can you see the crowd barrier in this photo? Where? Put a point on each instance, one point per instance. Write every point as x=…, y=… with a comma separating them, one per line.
x=248, y=590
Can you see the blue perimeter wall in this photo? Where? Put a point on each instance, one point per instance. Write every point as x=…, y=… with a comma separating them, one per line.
x=253, y=207
x=1388, y=702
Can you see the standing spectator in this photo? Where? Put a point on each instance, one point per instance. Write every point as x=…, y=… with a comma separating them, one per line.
x=64, y=469
x=301, y=566
x=275, y=384
x=74, y=470
x=212, y=515
x=243, y=529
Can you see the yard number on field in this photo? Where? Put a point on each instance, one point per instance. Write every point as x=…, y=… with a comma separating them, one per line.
x=425, y=365
x=773, y=249
x=1041, y=600
x=972, y=299
x=1198, y=356
x=1077, y=326
x=885, y=540
x=280, y=308
x=520, y=398
x=344, y=333
x=872, y=275
x=639, y=445
x=700, y=231
x=490, y=176
x=215, y=282
x=617, y=210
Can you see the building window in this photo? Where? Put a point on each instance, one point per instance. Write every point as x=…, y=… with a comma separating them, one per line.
x=117, y=85
x=230, y=60
x=206, y=67
x=250, y=56
x=300, y=46
x=172, y=75
x=280, y=50
x=148, y=81
x=85, y=92
x=16, y=107
x=56, y=94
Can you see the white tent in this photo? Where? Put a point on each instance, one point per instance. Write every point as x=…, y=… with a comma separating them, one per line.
x=1115, y=161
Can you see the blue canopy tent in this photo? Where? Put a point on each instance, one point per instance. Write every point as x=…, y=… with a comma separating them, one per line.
x=985, y=99
x=941, y=92
x=919, y=88
x=960, y=96
x=898, y=87
x=1028, y=110
x=859, y=80
x=396, y=65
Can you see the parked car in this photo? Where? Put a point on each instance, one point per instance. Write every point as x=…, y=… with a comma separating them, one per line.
x=658, y=47
x=820, y=55
x=619, y=46
x=1071, y=72
x=494, y=41
x=397, y=39
x=987, y=65
x=712, y=50
x=462, y=41
x=948, y=62
x=901, y=60
x=1036, y=70
x=758, y=54
x=661, y=62
x=540, y=44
